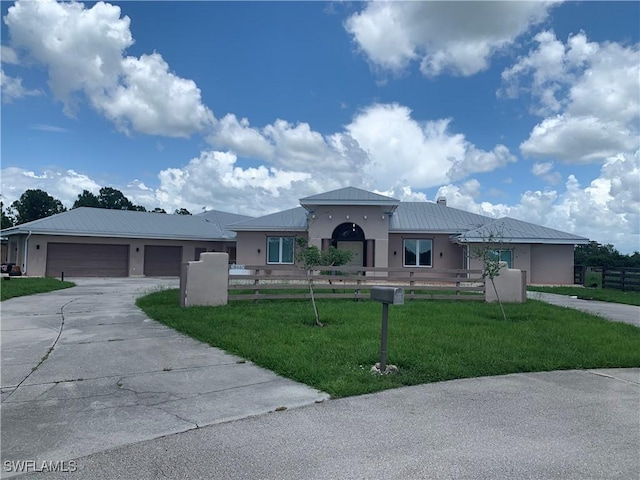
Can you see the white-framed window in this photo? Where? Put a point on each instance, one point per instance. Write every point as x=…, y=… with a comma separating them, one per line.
x=502, y=255
x=417, y=252
x=280, y=249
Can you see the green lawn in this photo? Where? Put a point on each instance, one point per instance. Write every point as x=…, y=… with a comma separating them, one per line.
x=429, y=341
x=603, y=295
x=18, y=287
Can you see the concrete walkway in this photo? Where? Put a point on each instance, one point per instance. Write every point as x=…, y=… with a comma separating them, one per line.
x=84, y=370
x=611, y=311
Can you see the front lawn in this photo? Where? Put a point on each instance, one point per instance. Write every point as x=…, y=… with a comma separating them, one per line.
x=429, y=341
x=18, y=287
x=603, y=295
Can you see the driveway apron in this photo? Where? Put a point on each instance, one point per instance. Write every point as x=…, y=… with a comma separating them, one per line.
x=84, y=370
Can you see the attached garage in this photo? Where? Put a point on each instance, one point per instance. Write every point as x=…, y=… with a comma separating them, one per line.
x=87, y=260
x=162, y=261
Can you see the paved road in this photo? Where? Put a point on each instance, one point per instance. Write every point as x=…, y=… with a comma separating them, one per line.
x=571, y=425
x=115, y=377
x=611, y=311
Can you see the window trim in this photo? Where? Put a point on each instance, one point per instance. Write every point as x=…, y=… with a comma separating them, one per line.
x=417, y=265
x=280, y=250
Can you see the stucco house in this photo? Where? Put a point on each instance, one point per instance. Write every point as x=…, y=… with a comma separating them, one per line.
x=117, y=243
x=380, y=231
x=385, y=232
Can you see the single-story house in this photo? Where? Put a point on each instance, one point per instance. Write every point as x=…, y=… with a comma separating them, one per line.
x=380, y=231
x=384, y=232
x=117, y=243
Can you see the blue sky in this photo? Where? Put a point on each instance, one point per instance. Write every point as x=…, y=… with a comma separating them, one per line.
x=528, y=110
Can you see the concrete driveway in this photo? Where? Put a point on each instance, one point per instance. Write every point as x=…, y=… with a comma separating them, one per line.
x=84, y=370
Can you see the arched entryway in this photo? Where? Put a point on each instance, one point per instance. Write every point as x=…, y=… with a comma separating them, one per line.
x=349, y=236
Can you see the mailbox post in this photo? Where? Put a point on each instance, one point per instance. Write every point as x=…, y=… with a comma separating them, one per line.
x=386, y=295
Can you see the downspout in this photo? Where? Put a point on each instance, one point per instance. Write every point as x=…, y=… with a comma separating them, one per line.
x=24, y=254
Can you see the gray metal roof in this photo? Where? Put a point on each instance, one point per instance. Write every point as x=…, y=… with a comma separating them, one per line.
x=433, y=218
x=349, y=196
x=510, y=230
x=294, y=219
x=222, y=219
x=100, y=222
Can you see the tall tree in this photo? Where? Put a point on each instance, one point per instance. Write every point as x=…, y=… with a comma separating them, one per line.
x=182, y=211
x=34, y=205
x=158, y=210
x=86, y=199
x=7, y=218
x=115, y=200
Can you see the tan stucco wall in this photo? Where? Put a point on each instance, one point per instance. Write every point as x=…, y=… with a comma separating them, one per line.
x=453, y=255
x=552, y=264
x=521, y=257
x=371, y=219
x=37, y=257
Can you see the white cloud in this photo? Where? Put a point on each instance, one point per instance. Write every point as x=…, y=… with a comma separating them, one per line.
x=83, y=50
x=545, y=171
x=12, y=88
x=587, y=92
x=8, y=55
x=239, y=137
x=607, y=210
x=422, y=154
x=458, y=37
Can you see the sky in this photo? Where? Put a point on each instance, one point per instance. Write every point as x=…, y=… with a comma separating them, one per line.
x=523, y=109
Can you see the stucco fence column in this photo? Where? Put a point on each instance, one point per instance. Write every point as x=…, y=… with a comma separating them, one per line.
x=205, y=282
x=511, y=285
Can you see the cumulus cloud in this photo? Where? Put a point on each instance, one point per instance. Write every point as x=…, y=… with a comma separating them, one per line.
x=84, y=49
x=606, y=210
x=587, y=92
x=422, y=154
x=456, y=37
x=545, y=171
x=12, y=88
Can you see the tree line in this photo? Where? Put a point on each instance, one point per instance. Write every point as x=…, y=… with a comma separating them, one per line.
x=595, y=254
x=36, y=204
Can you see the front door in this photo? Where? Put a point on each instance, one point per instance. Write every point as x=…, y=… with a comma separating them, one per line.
x=356, y=249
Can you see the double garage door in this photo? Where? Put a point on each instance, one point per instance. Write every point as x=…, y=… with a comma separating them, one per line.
x=87, y=260
x=104, y=260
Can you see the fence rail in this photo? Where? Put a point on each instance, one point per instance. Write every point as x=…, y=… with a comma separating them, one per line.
x=626, y=279
x=285, y=282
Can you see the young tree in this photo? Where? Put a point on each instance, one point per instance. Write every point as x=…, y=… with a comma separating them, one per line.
x=34, y=205
x=488, y=252
x=310, y=257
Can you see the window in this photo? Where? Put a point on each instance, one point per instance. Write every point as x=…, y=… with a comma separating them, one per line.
x=280, y=249
x=502, y=256
x=417, y=253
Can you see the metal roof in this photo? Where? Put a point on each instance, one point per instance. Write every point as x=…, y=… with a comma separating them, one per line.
x=101, y=222
x=294, y=219
x=510, y=230
x=222, y=219
x=433, y=218
x=349, y=196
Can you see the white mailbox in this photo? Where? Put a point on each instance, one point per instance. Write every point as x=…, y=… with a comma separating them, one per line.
x=388, y=295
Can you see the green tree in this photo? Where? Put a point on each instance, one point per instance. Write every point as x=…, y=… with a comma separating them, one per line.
x=159, y=210
x=86, y=199
x=7, y=218
x=182, y=211
x=595, y=254
x=114, y=199
x=310, y=257
x=34, y=205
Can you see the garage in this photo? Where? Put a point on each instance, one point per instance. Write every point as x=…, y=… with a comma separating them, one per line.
x=87, y=260
x=162, y=261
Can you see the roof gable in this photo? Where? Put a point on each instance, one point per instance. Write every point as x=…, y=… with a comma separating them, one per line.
x=511, y=230
x=349, y=196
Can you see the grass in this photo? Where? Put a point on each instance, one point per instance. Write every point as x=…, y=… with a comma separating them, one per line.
x=603, y=295
x=429, y=341
x=19, y=287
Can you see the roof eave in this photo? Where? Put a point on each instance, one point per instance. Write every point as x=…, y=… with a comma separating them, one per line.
x=121, y=235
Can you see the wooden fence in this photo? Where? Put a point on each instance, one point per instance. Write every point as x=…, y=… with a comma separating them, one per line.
x=626, y=279
x=260, y=282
